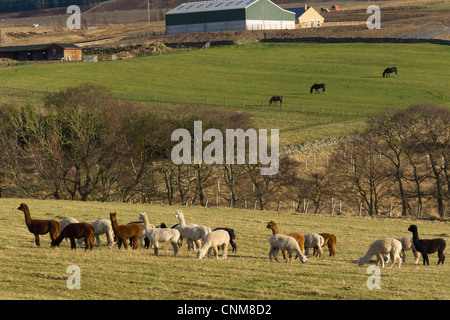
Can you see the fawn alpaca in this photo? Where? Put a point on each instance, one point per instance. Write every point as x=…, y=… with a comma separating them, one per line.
x=38, y=227
x=124, y=232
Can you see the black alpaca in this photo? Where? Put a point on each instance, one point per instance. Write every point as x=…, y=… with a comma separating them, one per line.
x=426, y=246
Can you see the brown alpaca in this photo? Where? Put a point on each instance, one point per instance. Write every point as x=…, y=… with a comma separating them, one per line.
x=38, y=227
x=125, y=232
x=330, y=241
x=300, y=238
x=77, y=231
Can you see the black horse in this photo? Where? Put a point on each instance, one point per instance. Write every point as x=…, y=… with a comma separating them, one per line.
x=387, y=72
x=274, y=100
x=317, y=86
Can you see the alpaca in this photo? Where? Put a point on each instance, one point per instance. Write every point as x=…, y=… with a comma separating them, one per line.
x=390, y=246
x=330, y=241
x=144, y=242
x=232, y=234
x=64, y=222
x=316, y=241
x=38, y=227
x=214, y=240
x=193, y=233
x=300, y=238
x=125, y=232
x=102, y=226
x=285, y=243
x=407, y=244
x=76, y=231
x=426, y=246
x=157, y=235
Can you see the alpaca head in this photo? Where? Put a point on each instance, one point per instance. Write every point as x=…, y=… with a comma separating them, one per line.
x=361, y=262
x=142, y=216
x=412, y=228
x=22, y=206
x=112, y=215
x=200, y=254
x=303, y=259
x=178, y=214
x=271, y=224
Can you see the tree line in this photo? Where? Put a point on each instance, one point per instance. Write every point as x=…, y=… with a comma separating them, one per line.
x=83, y=144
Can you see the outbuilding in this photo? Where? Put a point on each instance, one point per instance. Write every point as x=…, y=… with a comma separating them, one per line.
x=307, y=17
x=228, y=15
x=54, y=51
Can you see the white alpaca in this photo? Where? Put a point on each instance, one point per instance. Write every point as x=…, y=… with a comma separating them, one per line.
x=390, y=246
x=214, y=240
x=157, y=235
x=407, y=244
x=284, y=242
x=65, y=222
x=315, y=241
x=193, y=233
x=102, y=226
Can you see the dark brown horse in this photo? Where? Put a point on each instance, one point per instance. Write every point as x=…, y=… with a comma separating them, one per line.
x=317, y=86
x=275, y=99
x=387, y=72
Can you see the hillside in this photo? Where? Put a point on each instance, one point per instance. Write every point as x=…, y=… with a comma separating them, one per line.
x=108, y=25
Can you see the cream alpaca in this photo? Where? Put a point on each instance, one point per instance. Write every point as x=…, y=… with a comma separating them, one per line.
x=390, y=246
x=214, y=240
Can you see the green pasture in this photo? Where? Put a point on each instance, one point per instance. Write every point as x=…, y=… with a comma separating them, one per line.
x=246, y=76
x=30, y=272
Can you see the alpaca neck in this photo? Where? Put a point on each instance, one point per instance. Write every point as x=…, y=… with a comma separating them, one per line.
x=28, y=219
x=145, y=217
x=114, y=224
x=415, y=236
x=274, y=229
x=182, y=222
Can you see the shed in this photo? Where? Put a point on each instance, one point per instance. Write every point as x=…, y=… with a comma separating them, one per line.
x=307, y=17
x=227, y=15
x=54, y=51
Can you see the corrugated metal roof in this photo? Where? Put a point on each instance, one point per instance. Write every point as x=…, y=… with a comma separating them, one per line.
x=202, y=6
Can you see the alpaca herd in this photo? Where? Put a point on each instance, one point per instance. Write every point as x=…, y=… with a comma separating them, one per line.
x=204, y=241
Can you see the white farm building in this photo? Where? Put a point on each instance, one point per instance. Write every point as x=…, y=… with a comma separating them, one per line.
x=227, y=15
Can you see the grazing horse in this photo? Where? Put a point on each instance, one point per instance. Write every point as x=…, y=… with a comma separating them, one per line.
x=387, y=72
x=317, y=86
x=274, y=99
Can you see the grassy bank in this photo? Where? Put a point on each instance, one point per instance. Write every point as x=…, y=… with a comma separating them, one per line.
x=30, y=272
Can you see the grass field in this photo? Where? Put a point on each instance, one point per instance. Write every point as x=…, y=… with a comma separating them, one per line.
x=246, y=76
x=30, y=272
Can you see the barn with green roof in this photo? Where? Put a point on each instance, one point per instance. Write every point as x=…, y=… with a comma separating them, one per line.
x=227, y=15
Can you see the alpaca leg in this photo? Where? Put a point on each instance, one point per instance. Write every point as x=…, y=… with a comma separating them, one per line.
x=225, y=251
x=216, y=252
x=97, y=239
x=425, y=258
x=380, y=260
x=175, y=248
x=73, y=245
x=36, y=239
x=125, y=244
x=156, y=245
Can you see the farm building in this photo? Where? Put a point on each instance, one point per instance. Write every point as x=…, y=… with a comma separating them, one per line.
x=54, y=51
x=307, y=17
x=226, y=15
